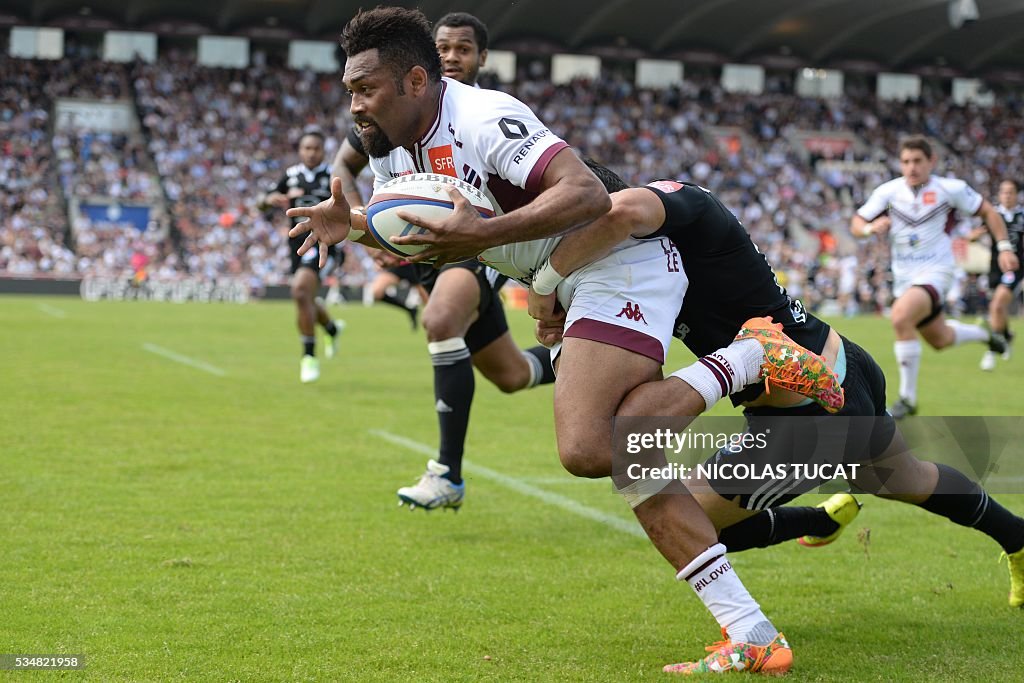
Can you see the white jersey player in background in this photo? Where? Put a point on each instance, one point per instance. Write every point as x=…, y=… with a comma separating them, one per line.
x=916, y=210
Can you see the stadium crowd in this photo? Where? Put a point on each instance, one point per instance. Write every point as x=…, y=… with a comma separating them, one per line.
x=218, y=137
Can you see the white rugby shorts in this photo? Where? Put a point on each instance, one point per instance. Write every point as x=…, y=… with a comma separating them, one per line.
x=941, y=277
x=629, y=299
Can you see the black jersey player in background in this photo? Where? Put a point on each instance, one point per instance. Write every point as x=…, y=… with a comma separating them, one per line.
x=463, y=303
x=729, y=282
x=1005, y=286
x=307, y=184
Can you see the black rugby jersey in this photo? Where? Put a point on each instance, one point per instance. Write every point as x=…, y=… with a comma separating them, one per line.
x=1014, y=219
x=315, y=184
x=730, y=280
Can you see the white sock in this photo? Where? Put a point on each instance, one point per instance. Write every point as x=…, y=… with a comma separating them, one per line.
x=725, y=371
x=962, y=332
x=908, y=356
x=712, y=578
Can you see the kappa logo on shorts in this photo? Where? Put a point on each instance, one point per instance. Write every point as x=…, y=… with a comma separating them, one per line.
x=632, y=312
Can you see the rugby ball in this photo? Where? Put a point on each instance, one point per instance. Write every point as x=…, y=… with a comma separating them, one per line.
x=422, y=194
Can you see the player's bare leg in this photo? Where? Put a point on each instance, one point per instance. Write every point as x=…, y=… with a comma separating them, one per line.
x=593, y=379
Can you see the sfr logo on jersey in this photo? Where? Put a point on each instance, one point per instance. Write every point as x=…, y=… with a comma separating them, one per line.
x=928, y=197
x=441, y=160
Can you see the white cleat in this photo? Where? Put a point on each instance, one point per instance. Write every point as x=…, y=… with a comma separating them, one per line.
x=433, y=491
x=331, y=344
x=309, y=370
x=988, y=361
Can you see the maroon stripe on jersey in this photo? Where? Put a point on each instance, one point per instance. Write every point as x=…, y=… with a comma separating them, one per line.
x=509, y=197
x=533, y=180
x=717, y=374
x=437, y=118
x=613, y=335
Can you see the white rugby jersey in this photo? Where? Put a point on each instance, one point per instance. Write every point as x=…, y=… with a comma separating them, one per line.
x=921, y=219
x=492, y=141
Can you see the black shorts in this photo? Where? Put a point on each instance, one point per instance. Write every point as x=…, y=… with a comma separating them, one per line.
x=1013, y=279
x=491, y=322
x=409, y=272
x=798, y=435
x=311, y=259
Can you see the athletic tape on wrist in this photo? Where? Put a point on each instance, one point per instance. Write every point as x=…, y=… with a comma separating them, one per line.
x=1004, y=245
x=546, y=279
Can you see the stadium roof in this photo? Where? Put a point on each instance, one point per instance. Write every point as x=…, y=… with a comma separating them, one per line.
x=853, y=34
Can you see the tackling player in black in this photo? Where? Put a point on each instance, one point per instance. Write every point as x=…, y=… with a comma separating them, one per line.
x=1005, y=286
x=307, y=184
x=729, y=282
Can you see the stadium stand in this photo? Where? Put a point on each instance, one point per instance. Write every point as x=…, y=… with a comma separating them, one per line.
x=212, y=138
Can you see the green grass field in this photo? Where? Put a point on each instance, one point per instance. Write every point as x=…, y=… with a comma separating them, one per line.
x=224, y=522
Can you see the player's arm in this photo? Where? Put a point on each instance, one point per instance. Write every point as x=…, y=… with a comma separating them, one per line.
x=636, y=212
x=862, y=227
x=348, y=164
x=570, y=196
x=997, y=227
x=877, y=206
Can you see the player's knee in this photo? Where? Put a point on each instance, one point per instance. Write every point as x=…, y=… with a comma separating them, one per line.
x=440, y=324
x=580, y=459
x=301, y=292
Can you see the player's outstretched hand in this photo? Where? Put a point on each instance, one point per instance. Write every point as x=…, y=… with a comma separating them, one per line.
x=1008, y=261
x=460, y=236
x=327, y=224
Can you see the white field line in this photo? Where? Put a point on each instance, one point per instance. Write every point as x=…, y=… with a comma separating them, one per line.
x=184, y=360
x=52, y=311
x=519, y=486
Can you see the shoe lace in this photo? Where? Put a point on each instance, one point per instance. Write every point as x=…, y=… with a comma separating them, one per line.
x=791, y=376
x=718, y=645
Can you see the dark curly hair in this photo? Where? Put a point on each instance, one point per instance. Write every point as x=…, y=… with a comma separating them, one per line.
x=460, y=19
x=401, y=36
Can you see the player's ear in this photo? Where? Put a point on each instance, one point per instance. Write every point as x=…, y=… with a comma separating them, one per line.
x=483, y=58
x=417, y=80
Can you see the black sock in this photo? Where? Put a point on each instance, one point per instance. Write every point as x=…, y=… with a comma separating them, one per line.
x=394, y=300
x=539, y=358
x=775, y=525
x=454, y=385
x=308, y=346
x=330, y=329
x=964, y=502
